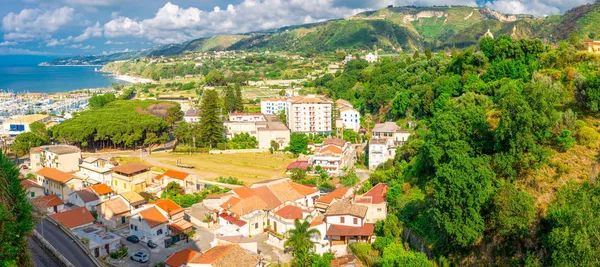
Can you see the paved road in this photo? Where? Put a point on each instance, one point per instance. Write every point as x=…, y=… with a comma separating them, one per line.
x=39, y=256
x=63, y=243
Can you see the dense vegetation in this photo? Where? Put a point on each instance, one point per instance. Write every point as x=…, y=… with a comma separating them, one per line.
x=119, y=124
x=16, y=221
x=488, y=120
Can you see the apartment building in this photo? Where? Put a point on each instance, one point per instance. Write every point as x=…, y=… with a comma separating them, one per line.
x=96, y=170
x=56, y=182
x=386, y=137
x=333, y=155
x=309, y=114
x=265, y=128
x=272, y=106
x=61, y=157
x=131, y=177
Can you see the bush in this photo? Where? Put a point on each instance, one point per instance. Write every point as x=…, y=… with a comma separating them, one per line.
x=587, y=136
x=122, y=252
x=565, y=141
x=229, y=180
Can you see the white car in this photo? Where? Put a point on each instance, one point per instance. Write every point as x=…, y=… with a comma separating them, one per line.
x=140, y=257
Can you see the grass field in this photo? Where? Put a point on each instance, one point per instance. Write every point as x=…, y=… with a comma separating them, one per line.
x=248, y=167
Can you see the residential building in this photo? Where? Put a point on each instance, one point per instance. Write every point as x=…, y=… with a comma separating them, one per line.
x=187, y=181
x=192, y=116
x=346, y=223
x=265, y=128
x=114, y=213
x=350, y=118
x=226, y=256
x=130, y=177
x=282, y=220
x=244, y=242
x=103, y=191
x=61, y=157
x=75, y=218
x=21, y=124
x=58, y=183
x=133, y=199
x=32, y=188
x=84, y=198
x=299, y=164
x=372, y=58
x=348, y=58
x=386, y=137
x=593, y=46
x=374, y=200
x=101, y=242
x=174, y=212
x=309, y=114
x=182, y=257
x=272, y=106
x=50, y=204
x=325, y=201
x=96, y=171
x=149, y=223
x=333, y=155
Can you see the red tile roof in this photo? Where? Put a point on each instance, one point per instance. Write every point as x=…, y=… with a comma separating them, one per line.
x=153, y=217
x=29, y=184
x=175, y=174
x=55, y=175
x=74, y=218
x=233, y=220
x=334, y=141
x=227, y=256
x=267, y=196
x=182, y=257
x=342, y=230
x=243, y=192
x=167, y=206
x=181, y=225
x=48, y=201
x=101, y=189
x=338, y=193
x=86, y=195
x=374, y=196
x=332, y=149
x=298, y=165
x=290, y=212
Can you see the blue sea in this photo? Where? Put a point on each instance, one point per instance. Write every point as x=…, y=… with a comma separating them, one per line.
x=20, y=73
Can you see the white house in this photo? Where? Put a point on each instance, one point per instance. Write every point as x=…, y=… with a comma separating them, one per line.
x=61, y=157
x=149, y=223
x=96, y=170
x=346, y=223
x=350, y=118
x=332, y=155
x=187, y=181
x=386, y=137
x=101, y=242
x=371, y=58
x=84, y=198
x=21, y=124
x=50, y=204
x=265, y=128
x=58, y=183
x=375, y=202
x=33, y=189
x=272, y=106
x=192, y=116
x=103, y=191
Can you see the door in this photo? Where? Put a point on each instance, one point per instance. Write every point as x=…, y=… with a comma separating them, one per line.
x=55, y=209
x=97, y=252
x=107, y=248
x=275, y=226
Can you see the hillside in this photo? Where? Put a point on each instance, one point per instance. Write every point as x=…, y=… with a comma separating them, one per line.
x=392, y=29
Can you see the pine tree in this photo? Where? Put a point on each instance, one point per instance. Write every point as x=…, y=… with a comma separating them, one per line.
x=16, y=222
x=230, y=100
x=211, y=127
x=239, y=100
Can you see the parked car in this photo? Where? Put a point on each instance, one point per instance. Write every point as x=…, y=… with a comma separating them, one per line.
x=133, y=239
x=24, y=167
x=151, y=244
x=140, y=257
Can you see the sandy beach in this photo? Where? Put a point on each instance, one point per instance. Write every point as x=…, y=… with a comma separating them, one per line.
x=131, y=79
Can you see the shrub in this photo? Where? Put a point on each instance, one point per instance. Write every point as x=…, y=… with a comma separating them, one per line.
x=587, y=136
x=122, y=252
x=565, y=141
x=229, y=180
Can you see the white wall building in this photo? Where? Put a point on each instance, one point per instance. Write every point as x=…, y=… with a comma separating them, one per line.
x=272, y=105
x=97, y=171
x=84, y=198
x=332, y=155
x=265, y=128
x=309, y=114
x=61, y=157
x=386, y=137
x=21, y=124
x=149, y=224
x=350, y=118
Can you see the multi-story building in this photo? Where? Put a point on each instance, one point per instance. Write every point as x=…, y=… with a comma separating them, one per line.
x=21, y=124
x=149, y=224
x=346, y=223
x=386, y=137
x=333, y=155
x=61, y=157
x=272, y=106
x=265, y=128
x=33, y=189
x=374, y=200
x=96, y=171
x=309, y=114
x=56, y=182
x=349, y=116
x=131, y=177
x=192, y=116
x=593, y=46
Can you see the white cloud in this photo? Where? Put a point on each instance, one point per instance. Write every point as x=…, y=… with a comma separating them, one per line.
x=93, y=31
x=19, y=51
x=55, y=42
x=534, y=7
x=31, y=24
x=174, y=24
x=109, y=42
x=82, y=47
x=7, y=43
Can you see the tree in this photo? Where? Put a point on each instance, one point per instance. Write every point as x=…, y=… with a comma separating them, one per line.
x=395, y=255
x=174, y=115
x=565, y=141
x=298, y=239
x=16, y=221
x=298, y=143
x=513, y=211
x=229, y=101
x=152, y=139
x=239, y=100
x=297, y=174
x=39, y=129
x=460, y=190
x=25, y=141
x=416, y=55
x=282, y=116
x=428, y=53
x=211, y=128
x=214, y=78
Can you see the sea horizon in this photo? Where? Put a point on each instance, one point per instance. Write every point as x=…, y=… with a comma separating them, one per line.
x=21, y=74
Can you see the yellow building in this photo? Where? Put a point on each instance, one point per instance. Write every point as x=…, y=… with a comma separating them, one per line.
x=593, y=46
x=131, y=177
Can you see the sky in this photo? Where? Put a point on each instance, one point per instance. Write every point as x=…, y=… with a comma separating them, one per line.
x=82, y=27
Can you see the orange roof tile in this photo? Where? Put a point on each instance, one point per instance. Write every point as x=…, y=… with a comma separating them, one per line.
x=167, y=206
x=227, y=256
x=175, y=174
x=181, y=225
x=101, y=189
x=182, y=257
x=153, y=217
x=374, y=196
x=267, y=196
x=290, y=212
x=303, y=189
x=248, y=205
x=75, y=217
x=131, y=168
x=48, y=201
x=55, y=175
x=290, y=191
x=230, y=202
x=332, y=149
x=243, y=192
x=116, y=205
x=338, y=193
x=29, y=184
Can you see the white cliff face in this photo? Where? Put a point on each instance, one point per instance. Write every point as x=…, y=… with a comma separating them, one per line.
x=497, y=15
x=424, y=14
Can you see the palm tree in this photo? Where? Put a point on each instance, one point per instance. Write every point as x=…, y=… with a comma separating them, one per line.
x=298, y=239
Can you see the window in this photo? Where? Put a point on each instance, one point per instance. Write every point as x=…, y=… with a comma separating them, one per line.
x=355, y=221
x=159, y=232
x=256, y=226
x=122, y=219
x=135, y=228
x=378, y=209
x=32, y=194
x=342, y=220
x=131, y=226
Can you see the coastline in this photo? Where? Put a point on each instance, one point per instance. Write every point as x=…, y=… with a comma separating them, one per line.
x=131, y=79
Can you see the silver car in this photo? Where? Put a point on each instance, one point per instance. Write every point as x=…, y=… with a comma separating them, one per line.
x=140, y=257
